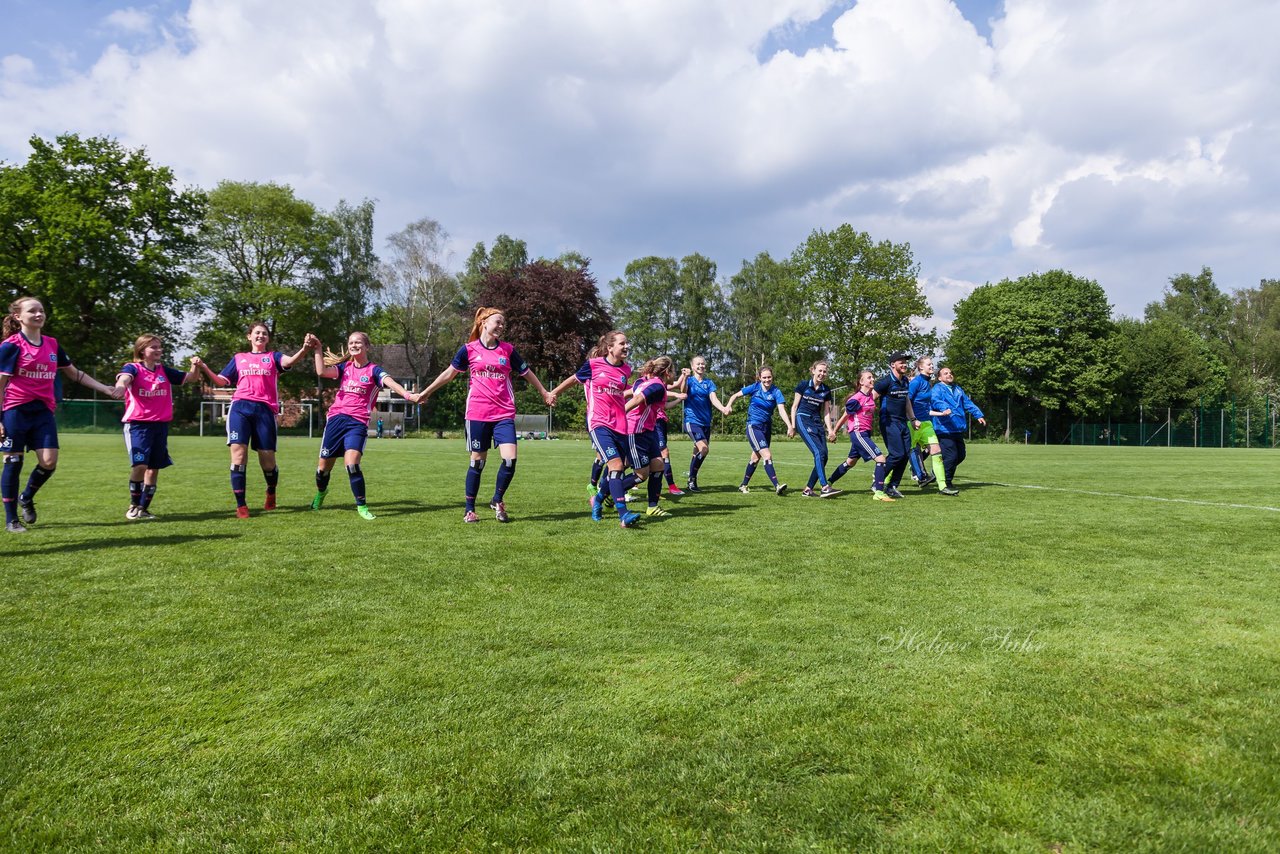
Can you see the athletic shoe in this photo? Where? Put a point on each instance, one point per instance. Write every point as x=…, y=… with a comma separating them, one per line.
x=132, y=512
x=806, y=493
x=499, y=510
x=928, y=479
x=878, y=495
x=597, y=508
x=591, y=492
x=672, y=489
x=915, y=480
x=269, y=503
x=780, y=489
x=145, y=515
x=693, y=487
x=655, y=510
x=15, y=527
x=27, y=510
x=829, y=491
x=318, y=501
x=949, y=490
x=892, y=492
x=242, y=512
x=744, y=489
x=470, y=516
x=629, y=519
x=365, y=512
x=631, y=496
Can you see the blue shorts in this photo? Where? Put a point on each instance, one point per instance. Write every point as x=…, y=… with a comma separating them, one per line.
x=252, y=423
x=660, y=430
x=147, y=443
x=609, y=445
x=758, y=435
x=343, y=433
x=483, y=435
x=642, y=449
x=29, y=427
x=697, y=432
x=862, y=447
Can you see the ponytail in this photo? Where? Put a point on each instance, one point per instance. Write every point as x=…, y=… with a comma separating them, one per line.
x=10, y=325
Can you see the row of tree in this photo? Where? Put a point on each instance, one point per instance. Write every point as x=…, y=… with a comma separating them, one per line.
x=114, y=248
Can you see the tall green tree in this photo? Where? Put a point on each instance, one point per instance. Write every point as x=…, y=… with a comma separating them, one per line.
x=646, y=305
x=1043, y=338
x=262, y=248
x=862, y=299
x=103, y=237
x=1163, y=363
x=1254, y=332
x=424, y=303
x=1198, y=304
x=764, y=304
x=702, y=328
x=345, y=286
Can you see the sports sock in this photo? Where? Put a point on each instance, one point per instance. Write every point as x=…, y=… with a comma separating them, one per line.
x=322, y=480
x=917, y=468
x=473, y=483
x=877, y=478
x=39, y=477
x=666, y=471
x=9, y=486
x=357, y=484
x=596, y=468
x=746, y=475
x=939, y=471
x=694, y=465
x=655, y=488
x=768, y=469
x=618, y=491
x=148, y=493
x=135, y=493
x=629, y=481
x=506, y=472
x=238, y=481
x=839, y=472
x=273, y=478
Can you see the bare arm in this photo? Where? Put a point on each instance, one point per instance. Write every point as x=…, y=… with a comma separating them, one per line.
x=73, y=373
x=310, y=341
x=786, y=419
x=723, y=407
x=547, y=397
x=388, y=382
x=555, y=392
x=445, y=376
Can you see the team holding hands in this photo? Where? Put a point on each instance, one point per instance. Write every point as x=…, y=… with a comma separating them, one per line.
x=626, y=418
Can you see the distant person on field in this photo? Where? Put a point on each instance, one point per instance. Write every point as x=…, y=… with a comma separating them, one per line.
x=700, y=391
x=922, y=432
x=378, y=428
x=29, y=361
x=895, y=417
x=147, y=384
x=347, y=427
x=251, y=423
x=950, y=405
x=765, y=398
x=859, y=411
x=811, y=418
x=489, y=363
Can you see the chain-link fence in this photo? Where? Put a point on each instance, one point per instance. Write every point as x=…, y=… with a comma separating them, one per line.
x=1220, y=424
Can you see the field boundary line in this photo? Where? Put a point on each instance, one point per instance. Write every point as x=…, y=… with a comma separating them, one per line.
x=1138, y=497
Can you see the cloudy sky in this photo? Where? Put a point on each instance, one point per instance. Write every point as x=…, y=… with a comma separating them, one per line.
x=1124, y=141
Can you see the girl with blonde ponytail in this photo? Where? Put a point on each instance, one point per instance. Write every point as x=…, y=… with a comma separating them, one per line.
x=491, y=404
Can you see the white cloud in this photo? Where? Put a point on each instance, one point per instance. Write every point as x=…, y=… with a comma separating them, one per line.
x=1108, y=139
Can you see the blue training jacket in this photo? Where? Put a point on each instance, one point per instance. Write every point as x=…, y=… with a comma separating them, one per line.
x=952, y=397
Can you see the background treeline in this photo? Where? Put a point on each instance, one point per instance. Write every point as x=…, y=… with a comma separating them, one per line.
x=114, y=248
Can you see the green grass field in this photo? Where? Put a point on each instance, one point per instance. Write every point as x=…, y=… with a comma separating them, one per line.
x=1084, y=668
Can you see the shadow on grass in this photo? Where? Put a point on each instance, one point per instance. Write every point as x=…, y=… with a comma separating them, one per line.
x=122, y=542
